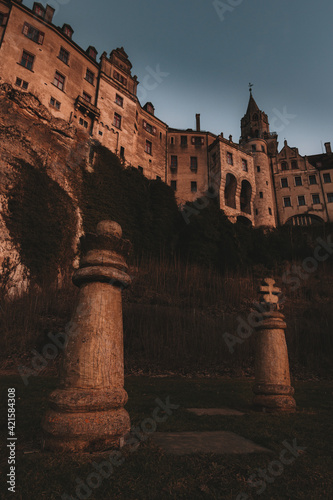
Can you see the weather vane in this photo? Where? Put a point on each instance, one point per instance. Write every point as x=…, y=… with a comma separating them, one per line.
x=250, y=87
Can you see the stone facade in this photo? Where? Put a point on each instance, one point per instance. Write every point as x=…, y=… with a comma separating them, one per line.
x=254, y=182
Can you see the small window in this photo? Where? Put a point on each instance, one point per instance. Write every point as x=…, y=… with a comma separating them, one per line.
x=63, y=55
x=148, y=148
x=183, y=140
x=174, y=162
x=263, y=149
x=287, y=201
x=301, y=200
x=122, y=152
x=230, y=160
x=315, y=199
x=254, y=148
x=119, y=100
x=59, y=80
x=193, y=186
x=160, y=136
x=172, y=140
x=257, y=211
x=258, y=169
x=329, y=197
x=117, y=120
x=174, y=185
x=284, y=165
x=2, y=19
x=140, y=169
x=194, y=163
x=18, y=82
x=33, y=33
x=24, y=85
x=327, y=178
x=284, y=182
x=67, y=30
x=312, y=179
x=54, y=103
x=86, y=97
x=294, y=165
x=298, y=181
x=39, y=11
x=269, y=211
x=244, y=166
x=120, y=78
x=83, y=122
x=100, y=132
x=198, y=141
x=261, y=194
x=90, y=76
x=27, y=60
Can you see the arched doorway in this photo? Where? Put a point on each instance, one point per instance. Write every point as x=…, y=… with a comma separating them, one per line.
x=305, y=220
x=244, y=220
x=230, y=191
x=245, y=197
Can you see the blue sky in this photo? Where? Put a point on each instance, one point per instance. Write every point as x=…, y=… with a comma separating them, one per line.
x=208, y=53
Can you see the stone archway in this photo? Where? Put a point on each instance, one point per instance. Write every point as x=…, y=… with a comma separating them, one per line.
x=230, y=191
x=245, y=197
x=304, y=220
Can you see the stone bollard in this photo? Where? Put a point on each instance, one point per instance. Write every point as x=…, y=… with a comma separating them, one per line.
x=272, y=389
x=87, y=411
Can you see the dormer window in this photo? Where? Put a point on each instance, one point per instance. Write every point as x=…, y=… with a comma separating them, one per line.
x=39, y=9
x=120, y=78
x=92, y=52
x=67, y=30
x=34, y=34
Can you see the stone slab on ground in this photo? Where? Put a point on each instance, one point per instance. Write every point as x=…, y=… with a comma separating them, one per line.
x=215, y=411
x=219, y=442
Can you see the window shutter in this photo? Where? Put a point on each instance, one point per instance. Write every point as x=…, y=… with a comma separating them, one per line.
x=25, y=29
x=40, y=37
x=154, y=130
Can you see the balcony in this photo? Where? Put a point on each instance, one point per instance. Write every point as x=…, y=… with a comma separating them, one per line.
x=86, y=107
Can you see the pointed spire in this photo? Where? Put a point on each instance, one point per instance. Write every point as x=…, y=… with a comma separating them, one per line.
x=252, y=106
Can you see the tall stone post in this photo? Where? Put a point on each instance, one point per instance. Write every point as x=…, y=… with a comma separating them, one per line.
x=272, y=389
x=87, y=411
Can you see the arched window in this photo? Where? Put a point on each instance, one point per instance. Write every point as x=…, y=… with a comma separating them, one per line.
x=230, y=191
x=245, y=197
x=284, y=166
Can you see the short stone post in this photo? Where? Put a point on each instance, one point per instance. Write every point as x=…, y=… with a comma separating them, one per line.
x=87, y=411
x=272, y=389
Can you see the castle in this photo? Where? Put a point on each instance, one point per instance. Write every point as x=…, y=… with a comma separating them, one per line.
x=255, y=182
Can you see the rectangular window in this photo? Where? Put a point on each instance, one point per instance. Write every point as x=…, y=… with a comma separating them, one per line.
x=315, y=199
x=117, y=76
x=172, y=140
x=284, y=182
x=244, y=166
x=83, y=122
x=287, y=201
x=174, y=185
x=86, y=97
x=294, y=164
x=63, y=55
x=312, y=179
x=90, y=76
x=254, y=147
x=301, y=200
x=122, y=152
x=258, y=169
x=270, y=211
x=298, y=181
x=183, y=140
x=194, y=186
x=174, y=162
x=24, y=85
x=230, y=160
x=27, y=60
x=261, y=194
x=18, y=82
x=198, y=141
x=2, y=19
x=117, y=120
x=119, y=100
x=33, y=33
x=54, y=103
x=21, y=83
x=329, y=197
x=39, y=10
x=59, y=80
x=327, y=178
x=194, y=164
x=148, y=148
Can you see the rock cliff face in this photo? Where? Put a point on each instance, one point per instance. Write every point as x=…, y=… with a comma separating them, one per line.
x=41, y=163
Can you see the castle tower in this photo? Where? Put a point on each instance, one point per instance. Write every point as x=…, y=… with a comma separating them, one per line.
x=257, y=141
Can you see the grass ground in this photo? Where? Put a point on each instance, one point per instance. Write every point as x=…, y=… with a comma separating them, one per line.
x=149, y=474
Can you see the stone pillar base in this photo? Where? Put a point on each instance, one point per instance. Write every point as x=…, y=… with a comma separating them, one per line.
x=86, y=431
x=274, y=403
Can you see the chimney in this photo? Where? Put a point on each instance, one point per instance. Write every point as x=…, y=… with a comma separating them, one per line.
x=49, y=11
x=328, y=147
x=197, y=117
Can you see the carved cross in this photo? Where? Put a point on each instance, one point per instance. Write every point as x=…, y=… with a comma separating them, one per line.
x=269, y=292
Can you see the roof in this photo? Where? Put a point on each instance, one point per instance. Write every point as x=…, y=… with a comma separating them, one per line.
x=322, y=161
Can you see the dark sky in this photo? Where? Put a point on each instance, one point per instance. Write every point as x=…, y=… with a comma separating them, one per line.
x=208, y=53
